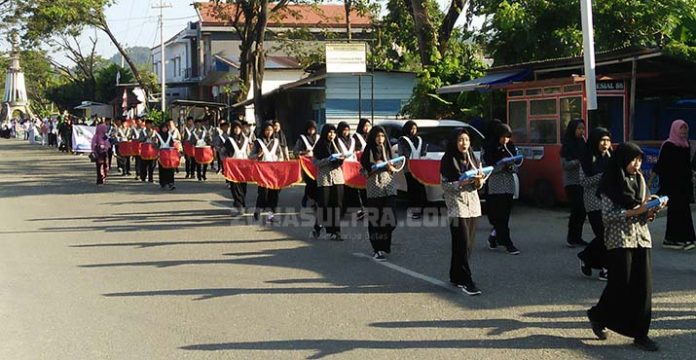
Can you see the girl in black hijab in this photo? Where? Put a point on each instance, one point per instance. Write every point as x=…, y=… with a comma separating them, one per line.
x=381, y=192
x=463, y=206
x=572, y=152
x=593, y=165
x=237, y=147
x=329, y=184
x=501, y=187
x=305, y=147
x=626, y=303
x=267, y=148
x=347, y=143
x=360, y=135
x=411, y=146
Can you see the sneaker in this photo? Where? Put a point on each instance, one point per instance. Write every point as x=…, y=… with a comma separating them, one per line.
x=172, y=187
x=586, y=270
x=379, y=256
x=599, y=330
x=415, y=216
x=646, y=344
x=470, y=289
x=689, y=246
x=316, y=232
x=576, y=243
x=603, y=275
x=256, y=215
x=336, y=237
x=512, y=250
x=270, y=218
x=492, y=242
x=672, y=245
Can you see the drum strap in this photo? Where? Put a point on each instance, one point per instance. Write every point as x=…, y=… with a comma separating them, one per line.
x=165, y=144
x=188, y=134
x=361, y=140
x=271, y=155
x=238, y=152
x=305, y=140
x=342, y=146
x=415, y=151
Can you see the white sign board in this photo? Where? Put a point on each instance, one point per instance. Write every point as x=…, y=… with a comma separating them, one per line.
x=346, y=58
x=82, y=138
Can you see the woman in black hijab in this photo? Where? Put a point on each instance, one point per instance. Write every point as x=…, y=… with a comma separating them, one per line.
x=381, y=192
x=237, y=147
x=626, y=303
x=463, y=206
x=572, y=152
x=360, y=135
x=411, y=146
x=593, y=165
x=305, y=147
x=329, y=184
x=501, y=187
x=267, y=148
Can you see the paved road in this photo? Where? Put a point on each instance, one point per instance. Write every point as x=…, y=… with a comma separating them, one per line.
x=127, y=271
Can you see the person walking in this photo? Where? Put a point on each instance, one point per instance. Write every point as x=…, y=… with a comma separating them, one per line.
x=626, y=303
x=381, y=192
x=501, y=188
x=572, y=152
x=328, y=159
x=100, y=147
x=411, y=146
x=463, y=206
x=674, y=170
x=593, y=165
x=165, y=140
x=267, y=148
x=237, y=147
x=304, y=147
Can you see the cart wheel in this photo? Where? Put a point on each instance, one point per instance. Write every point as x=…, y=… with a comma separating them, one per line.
x=543, y=194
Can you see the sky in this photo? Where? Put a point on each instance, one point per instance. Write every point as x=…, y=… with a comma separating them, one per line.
x=135, y=23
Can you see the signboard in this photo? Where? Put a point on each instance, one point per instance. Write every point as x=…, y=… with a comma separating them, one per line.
x=610, y=85
x=82, y=138
x=346, y=58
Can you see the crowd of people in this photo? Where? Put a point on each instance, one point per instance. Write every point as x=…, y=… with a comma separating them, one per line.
x=603, y=184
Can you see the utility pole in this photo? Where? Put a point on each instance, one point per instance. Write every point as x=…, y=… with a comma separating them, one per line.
x=161, y=7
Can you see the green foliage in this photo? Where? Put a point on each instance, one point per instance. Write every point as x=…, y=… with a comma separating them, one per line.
x=140, y=55
x=105, y=82
x=396, y=47
x=463, y=61
x=525, y=30
x=158, y=117
x=39, y=77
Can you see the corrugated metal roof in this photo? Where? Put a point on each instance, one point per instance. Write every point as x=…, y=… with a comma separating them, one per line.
x=625, y=52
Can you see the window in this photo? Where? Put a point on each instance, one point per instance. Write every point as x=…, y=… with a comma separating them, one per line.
x=543, y=131
x=552, y=90
x=543, y=107
x=517, y=119
x=571, y=108
x=532, y=92
x=572, y=88
x=513, y=93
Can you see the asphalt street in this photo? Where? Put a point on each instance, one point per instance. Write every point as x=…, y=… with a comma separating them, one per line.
x=128, y=271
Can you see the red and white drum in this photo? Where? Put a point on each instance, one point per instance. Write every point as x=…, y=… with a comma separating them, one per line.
x=129, y=148
x=204, y=155
x=148, y=151
x=169, y=158
x=189, y=149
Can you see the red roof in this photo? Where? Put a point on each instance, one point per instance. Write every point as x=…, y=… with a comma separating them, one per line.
x=327, y=16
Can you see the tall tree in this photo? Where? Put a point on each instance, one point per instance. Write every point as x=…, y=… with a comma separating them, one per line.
x=43, y=19
x=433, y=30
x=524, y=30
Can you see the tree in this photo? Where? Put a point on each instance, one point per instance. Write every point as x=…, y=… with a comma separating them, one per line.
x=525, y=30
x=105, y=82
x=43, y=19
x=433, y=29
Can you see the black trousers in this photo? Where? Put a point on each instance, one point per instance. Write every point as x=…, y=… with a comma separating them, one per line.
x=416, y=194
x=594, y=255
x=351, y=201
x=310, y=191
x=499, y=207
x=238, y=191
x=166, y=176
x=462, y=231
x=147, y=167
x=680, y=225
x=381, y=222
x=125, y=165
x=626, y=303
x=577, y=212
x=201, y=171
x=109, y=156
x=329, y=204
x=190, y=166
x=267, y=199
x=138, y=165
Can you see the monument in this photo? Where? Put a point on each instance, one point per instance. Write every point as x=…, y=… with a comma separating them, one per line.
x=15, y=99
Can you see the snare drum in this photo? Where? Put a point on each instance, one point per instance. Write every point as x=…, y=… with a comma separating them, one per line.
x=148, y=151
x=189, y=149
x=169, y=158
x=204, y=155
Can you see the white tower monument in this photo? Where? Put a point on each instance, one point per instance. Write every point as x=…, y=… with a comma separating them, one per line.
x=15, y=98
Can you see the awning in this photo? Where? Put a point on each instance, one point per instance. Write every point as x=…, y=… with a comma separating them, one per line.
x=484, y=82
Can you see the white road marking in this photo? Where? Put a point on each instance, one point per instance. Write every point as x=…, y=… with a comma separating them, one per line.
x=413, y=274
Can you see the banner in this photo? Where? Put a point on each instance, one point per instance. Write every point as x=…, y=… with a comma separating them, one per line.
x=351, y=171
x=82, y=138
x=427, y=172
x=269, y=174
x=239, y=170
x=277, y=174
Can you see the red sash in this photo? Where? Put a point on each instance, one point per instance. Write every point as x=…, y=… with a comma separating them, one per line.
x=204, y=155
x=351, y=171
x=239, y=170
x=148, y=151
x=169, y=158
x=269, y=174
